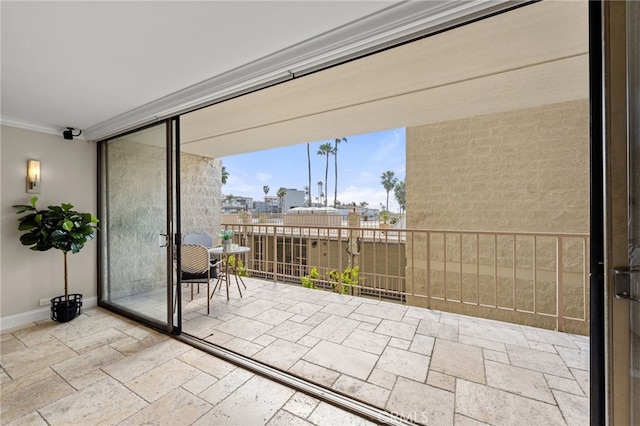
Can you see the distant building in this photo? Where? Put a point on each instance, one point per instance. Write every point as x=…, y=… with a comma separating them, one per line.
x=236, y=204
x=293, y=198
x=270, y=204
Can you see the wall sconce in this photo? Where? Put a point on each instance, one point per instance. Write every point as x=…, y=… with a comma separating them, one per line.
x=33, y=176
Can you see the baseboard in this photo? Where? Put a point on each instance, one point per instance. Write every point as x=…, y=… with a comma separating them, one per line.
x=24, y=318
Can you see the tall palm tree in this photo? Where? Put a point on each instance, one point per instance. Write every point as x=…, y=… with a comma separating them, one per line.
x=320, y=193
x=225, y=175
x=326, y=149
x=281, y=193
x=309, y=167
x=265, y=189
x=400, y=193
x=389, y=182
x=335, y=157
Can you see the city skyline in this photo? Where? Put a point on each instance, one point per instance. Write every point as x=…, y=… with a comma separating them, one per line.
x=361, y=162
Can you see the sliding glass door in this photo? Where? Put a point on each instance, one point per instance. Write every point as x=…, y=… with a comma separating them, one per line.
x=138, y=216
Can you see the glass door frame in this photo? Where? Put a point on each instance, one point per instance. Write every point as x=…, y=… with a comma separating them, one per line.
x=172, y=172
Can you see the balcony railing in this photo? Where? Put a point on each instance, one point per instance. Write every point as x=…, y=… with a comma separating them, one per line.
x=537, y=279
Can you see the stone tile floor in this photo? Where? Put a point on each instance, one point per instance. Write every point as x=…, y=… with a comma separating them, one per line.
x=102, y=369
x=432, y=367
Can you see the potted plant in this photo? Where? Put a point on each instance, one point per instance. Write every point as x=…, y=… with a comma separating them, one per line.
x=64, y=229
x=226, y=236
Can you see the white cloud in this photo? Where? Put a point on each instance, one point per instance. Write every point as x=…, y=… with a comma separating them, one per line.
x=263, y=177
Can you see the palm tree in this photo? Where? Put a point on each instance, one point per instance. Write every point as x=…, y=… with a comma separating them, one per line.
x=225, y=175
x=265, y=189
x=320, y=194
x=281, y=193
x=326, y=149
x=401, y=194
x=389, y=182
x=335, y=157
x=309, y=167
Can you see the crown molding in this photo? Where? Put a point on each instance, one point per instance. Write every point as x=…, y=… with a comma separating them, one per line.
x=399, y=23
x=29, y=125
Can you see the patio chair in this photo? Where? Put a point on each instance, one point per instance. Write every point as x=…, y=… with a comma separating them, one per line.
x=196, y=268
x=198, y=238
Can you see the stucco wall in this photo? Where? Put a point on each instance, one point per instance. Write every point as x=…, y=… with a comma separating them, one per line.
x=68, y=175
x=519, y=171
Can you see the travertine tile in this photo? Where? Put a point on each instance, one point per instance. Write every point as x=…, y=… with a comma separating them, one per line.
x=482, y=343
x=32, y=419
x=316, y=319
x=254, y=403
x=308, y=341
x=404, y=363
x=95, y=340
x=382, y=378
x=225, y=386
x=583, y=379
x=340, y=309
x=536, y=360
x=244, y=328
x=284, y=418
x=565, y=385
x=442, y=381
x=243, y=347
x=342, y=359
x=334, y=329
x=396, y=329
x=199, y=383
x=496, y=356
x=281, y=354
x=494, y=333
x=301, y=404
x=178, y=407
x=273, y=316
x=438, y=330
x=527, y=383
x=367, y=392
x=304, y=308
x=83, y=370
x=217, y=367
x=10, y=345
x=32, y=392
x=314, y=373
x=326, y=414
x=36, y=357
x=544, y=347
x=573, y=408
x=458, y=360
x=382, y=311
x=365, y=318
x=422, y=313
x=498, y=407
x=548, y=336
x=400, y=343
x=574, y=358
x=145, y=360
x=367, y=341
x=421, y=403
x=466, y=421
x=255, y=308
x=422, y=344
x=116, y=403
x=289, y=330
x=156, y=383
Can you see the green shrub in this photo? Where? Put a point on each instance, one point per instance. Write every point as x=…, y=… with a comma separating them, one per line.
x=309, y=281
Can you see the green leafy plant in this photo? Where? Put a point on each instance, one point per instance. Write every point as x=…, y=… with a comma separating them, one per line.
x=309, y=281
x=56, y=227
x=242, y=271
x=226, y=234
x=342, y=282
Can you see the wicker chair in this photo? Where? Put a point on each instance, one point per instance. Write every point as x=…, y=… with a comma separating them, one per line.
x=196, y=268
x=198, y=238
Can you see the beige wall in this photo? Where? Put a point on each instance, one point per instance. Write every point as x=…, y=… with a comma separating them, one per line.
x=523, y=170
x=520, y=171
x=68, y=175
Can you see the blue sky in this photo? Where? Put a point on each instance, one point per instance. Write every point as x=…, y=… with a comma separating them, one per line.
x=361, y=161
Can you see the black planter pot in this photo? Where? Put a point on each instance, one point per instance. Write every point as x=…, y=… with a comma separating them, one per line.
x=65, y=310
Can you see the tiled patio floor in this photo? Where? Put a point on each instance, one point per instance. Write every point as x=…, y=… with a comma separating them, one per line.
x=101, y=369
x=433, y=367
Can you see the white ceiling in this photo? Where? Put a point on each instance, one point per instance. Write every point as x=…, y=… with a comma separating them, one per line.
x=107, y=66
x=80, y=63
